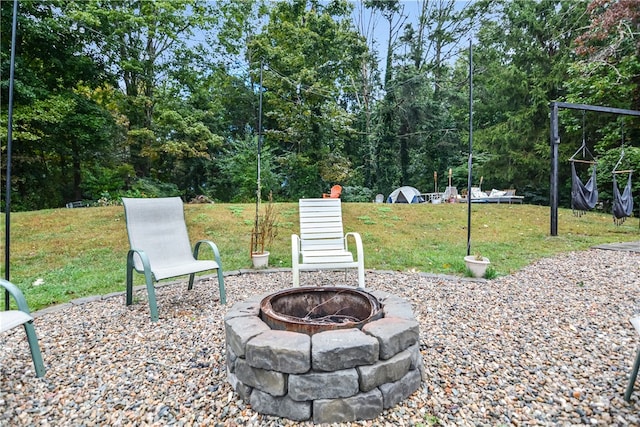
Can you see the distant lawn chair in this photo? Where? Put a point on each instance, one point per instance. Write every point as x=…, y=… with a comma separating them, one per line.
x=22, y=316
x=336, y=191
x=160, y=247
x=322, y=244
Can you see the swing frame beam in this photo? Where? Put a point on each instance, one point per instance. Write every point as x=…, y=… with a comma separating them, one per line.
x=555, y=142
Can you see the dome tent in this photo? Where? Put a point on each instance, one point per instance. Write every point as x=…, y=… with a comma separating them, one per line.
x=405, y=194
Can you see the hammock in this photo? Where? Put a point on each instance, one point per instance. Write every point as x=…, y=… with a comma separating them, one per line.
x=622, y=203
x=583, y=196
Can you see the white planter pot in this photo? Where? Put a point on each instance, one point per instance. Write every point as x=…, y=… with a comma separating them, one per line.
x=260, y=260
x=476, y=266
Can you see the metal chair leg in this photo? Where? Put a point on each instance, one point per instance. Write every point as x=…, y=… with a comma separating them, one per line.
x=632, y=378
x=34, y=347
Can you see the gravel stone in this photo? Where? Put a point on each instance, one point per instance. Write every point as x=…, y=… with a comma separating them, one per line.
x=549, y=345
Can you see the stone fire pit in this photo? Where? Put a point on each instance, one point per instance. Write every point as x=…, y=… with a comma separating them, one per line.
x=326, y=355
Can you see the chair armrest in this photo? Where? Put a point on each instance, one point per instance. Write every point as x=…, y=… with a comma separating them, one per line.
x=144, y=259
x=17, y=295
x=295, y=249
x=358, y=240
x=214, y=248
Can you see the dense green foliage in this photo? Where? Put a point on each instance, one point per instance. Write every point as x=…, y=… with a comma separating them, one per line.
x=160, y=97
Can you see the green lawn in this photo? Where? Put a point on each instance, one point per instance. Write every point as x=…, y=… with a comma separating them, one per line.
x=62, y=254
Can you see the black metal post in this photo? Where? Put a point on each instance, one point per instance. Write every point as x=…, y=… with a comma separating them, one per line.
x=7, y=218
x=597, y=109
x=555, y=142
x=470, y=161
x=259, y=160
x=260, y=133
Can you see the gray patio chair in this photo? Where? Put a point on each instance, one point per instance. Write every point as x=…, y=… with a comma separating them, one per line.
x=160, y=247
x=10, y=319
x=636, y=365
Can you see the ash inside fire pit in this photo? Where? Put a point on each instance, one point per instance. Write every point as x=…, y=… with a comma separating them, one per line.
x=315, y=309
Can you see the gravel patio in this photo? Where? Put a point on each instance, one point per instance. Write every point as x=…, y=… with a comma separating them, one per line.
x=550, y=345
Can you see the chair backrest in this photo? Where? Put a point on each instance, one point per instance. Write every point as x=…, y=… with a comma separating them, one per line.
x=450, y=192
x=321, y=224
x=157, y=227
x=336, y=191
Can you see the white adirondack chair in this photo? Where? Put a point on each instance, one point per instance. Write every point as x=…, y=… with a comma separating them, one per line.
x=22, y=316
x=160, y=247
x=322, y=244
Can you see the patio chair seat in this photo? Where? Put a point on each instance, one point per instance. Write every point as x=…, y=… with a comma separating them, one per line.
x=188, y=267
x=10, y=319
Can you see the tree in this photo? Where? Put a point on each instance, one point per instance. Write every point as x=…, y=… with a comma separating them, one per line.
x=609, y=50
x=519, y=71
x=364, y=145
x=607, y=69
x=142, y=41
x=310, y=56
x=430, y=138
x=417, y=134
x=181, y=97
x=384, y=146
x=58, y=127
x=607, y=73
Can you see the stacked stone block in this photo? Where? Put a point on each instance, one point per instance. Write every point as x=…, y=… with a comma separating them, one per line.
x=333, y=376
